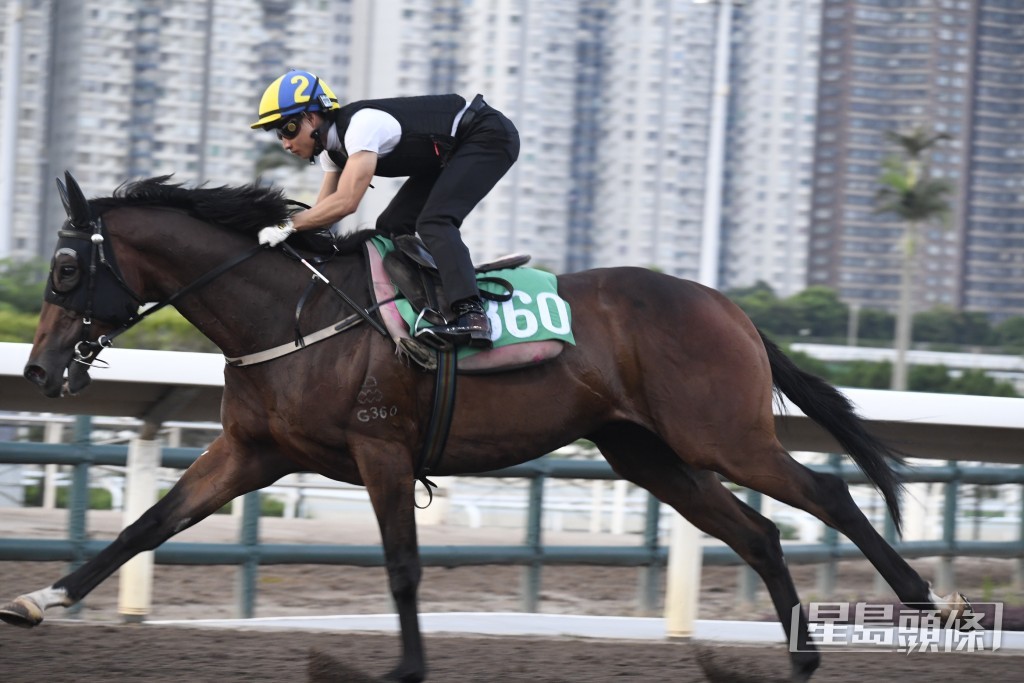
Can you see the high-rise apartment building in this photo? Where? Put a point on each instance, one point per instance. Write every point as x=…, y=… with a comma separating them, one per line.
x=949, y=66
x=32, y=124
x=588, y=117
x=771, y=150
x=138, y=88
x=521, y=55
x=612, y=100
x=653, y=139
x=993, y=247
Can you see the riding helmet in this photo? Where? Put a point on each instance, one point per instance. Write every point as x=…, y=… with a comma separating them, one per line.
x=293, y=93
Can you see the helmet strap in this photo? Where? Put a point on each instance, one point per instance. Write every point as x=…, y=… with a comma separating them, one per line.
x=319, y=136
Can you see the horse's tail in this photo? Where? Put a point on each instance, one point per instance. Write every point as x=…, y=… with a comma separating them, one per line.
x=824, y=404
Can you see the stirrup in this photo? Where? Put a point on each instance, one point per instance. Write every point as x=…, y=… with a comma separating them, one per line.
x=427, y=335
x=435, y=341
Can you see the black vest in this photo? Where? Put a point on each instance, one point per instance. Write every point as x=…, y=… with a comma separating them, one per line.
x=426, y=133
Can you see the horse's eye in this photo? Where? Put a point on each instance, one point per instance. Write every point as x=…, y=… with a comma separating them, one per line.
x=65, y=271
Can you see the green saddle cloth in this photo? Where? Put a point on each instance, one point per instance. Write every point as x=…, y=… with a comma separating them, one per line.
x=534, y=313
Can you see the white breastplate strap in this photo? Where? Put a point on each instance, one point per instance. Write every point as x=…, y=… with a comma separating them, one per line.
x=292, y=347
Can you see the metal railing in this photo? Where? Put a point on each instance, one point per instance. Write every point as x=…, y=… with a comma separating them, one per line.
x=532, y=554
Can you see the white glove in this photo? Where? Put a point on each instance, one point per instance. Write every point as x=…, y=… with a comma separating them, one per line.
x=275, y=234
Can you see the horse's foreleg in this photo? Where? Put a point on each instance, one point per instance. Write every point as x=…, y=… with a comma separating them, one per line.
x=390, y=484
x=701, y=498
x=218, y=476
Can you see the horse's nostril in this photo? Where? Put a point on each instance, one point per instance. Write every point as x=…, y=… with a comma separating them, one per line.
x=34, y=373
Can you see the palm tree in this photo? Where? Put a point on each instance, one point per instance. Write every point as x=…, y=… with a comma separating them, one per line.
x=909, y=192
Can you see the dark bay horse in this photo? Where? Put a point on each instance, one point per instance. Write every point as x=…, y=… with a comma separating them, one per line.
x=669, y=378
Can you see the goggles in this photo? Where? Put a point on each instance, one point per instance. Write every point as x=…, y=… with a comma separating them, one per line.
x=290, y=128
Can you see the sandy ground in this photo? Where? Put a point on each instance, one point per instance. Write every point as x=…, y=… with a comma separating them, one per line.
x=102, y=649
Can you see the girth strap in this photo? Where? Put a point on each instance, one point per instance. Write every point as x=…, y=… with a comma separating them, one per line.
x=440, y=418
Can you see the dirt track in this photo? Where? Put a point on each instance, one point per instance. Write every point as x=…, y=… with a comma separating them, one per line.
x=101, y=650
x=84, y=653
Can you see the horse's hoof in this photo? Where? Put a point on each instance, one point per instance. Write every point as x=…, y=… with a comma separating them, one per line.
x=959, y=601
x=23, y=612
x=958, y=612
x=954, y=604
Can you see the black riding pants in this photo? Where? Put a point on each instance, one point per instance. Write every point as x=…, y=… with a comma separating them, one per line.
x=435, y=205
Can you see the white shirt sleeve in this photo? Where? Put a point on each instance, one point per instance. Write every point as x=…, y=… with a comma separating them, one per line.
x=372, y=130
x=327, y=164
x=369, y=130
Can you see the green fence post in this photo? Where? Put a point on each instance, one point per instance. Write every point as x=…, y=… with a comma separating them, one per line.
x=78, y=499
x=946, y=579
x=650, y=579
x=889, y=534
x=830, y=538
x=747, y=578
x=535, y=514
x=249, y=536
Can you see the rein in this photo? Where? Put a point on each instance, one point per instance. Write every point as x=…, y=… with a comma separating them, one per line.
x=87, y=349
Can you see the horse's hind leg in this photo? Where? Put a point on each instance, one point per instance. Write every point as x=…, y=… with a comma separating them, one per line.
x=645, y=460
x=217, y=477
x=775, y=473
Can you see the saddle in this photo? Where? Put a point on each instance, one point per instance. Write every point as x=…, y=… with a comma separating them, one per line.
x=414, y=273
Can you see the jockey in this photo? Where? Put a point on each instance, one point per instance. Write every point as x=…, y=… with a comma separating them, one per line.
x=453, y=153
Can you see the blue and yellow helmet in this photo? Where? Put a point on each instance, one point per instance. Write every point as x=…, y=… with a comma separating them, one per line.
x=293, y=93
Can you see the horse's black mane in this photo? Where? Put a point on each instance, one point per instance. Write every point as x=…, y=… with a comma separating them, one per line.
x=244, y=208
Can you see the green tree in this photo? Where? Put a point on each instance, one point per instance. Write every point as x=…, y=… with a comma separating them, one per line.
x=165, y=330
x=939, y=324
x=810, y=364
x=864, y=374
x=938, y=379
x=766, y=309
x=819, y=310
x=976, y=329
x=910, y=193
x=931, y=378
x=21, y=284
x=1010, y=333
x=976, y=382
x=17, y=327
x=875, y=324
x=760, y=289
x=943, y=325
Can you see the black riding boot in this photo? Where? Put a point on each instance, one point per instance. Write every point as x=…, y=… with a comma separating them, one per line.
x=470, y=328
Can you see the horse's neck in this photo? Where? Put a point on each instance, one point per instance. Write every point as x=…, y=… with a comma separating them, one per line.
x=250, y=307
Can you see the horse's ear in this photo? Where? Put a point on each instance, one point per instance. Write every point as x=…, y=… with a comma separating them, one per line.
x=75, y=203
x=64, y=197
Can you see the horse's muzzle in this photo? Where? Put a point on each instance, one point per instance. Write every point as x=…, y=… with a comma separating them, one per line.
x=53, y=382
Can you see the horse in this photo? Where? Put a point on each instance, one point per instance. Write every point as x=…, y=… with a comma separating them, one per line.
x=670, y=379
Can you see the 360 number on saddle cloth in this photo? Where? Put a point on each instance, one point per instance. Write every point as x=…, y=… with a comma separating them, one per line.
x=534, y=313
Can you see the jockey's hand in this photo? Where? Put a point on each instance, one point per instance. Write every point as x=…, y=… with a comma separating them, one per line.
x=275, y=234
